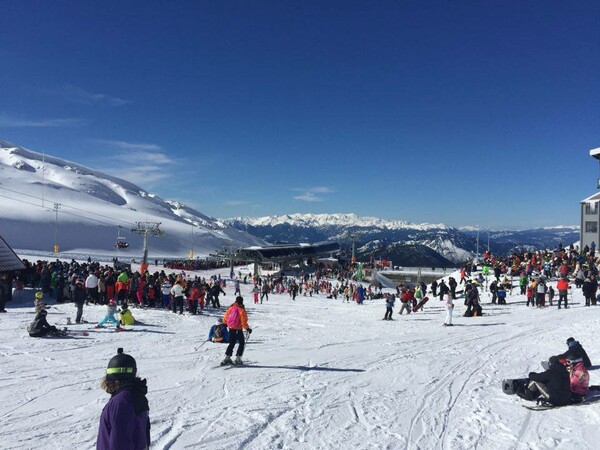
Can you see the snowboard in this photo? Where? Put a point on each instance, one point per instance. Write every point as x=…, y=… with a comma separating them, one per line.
x=420, y=304
x=511, y=386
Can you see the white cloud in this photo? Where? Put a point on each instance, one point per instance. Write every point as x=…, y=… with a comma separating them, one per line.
x=139, y=163
x=6, y=121
x=128, y=145
x=76, y=94
x=309, y=195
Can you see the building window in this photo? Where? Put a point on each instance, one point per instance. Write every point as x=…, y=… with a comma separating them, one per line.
x=591, y=208
x=591, y=227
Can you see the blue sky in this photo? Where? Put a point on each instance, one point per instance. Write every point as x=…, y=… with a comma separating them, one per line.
x=461, y=112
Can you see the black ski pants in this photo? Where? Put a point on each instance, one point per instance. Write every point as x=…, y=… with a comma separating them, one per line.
x=562, y=295
x=236, y=336
x=388, y=313
x=178, y=303
x=79, y=312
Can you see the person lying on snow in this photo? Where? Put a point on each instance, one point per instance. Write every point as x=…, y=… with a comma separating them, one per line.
x=219, y=332
x=552, y=386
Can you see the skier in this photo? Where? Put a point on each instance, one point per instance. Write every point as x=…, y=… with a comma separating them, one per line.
x=40, y=326
x=215, y=290
x=563, y=289
x=236, y=320
x=449, y=309
x=264, y=292
x=124, y=423
x=79, y=296
x=389, y=305
x=126, y=317
x=552, y=386
x=576, y=353
x=177, y=293
x=255, y=294
x=111, y=310
x=218, y=332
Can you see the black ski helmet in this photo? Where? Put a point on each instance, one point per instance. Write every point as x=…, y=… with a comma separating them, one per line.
x=121, y=367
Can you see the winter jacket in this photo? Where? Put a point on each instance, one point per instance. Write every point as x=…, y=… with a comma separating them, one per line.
x=39, y=325
x=242, y=314
x=562, y=285
x=557, y=382
x=177, y=290
x=126, y=317
x=91, y=282
x=576, y=353
x=125, y=423
x=448, y=299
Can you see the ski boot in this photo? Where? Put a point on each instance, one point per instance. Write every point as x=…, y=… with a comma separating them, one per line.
x=99, y=326
x=238, y=361
x=226, y=361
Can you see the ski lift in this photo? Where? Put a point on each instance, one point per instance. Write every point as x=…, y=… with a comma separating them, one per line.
x=121, y=243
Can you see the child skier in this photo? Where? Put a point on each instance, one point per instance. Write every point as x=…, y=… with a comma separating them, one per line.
x=255, y=292
x=111, y=310
x=126, y=317
x=236, y=320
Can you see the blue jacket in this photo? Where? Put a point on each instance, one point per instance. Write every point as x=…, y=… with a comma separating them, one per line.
x=124, y=423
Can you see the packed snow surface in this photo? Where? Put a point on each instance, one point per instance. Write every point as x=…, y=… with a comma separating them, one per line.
x=321, y=374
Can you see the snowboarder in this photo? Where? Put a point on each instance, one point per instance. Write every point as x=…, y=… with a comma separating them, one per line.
x=406, y=303
x=125, y=422
x=236, y=320
x=389, y=305
x=576, y=353
x=553, y=385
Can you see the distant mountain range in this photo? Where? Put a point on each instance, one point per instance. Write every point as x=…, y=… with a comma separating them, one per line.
x=93, y=208
x=403, y=243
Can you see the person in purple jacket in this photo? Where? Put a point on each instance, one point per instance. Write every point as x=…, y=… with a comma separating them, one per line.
x=125, y=421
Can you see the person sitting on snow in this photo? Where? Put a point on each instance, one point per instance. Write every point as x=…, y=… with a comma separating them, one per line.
x=552, y=386
x=576, y=353
x=126, y=315
x=219, y=332
x=40, y=326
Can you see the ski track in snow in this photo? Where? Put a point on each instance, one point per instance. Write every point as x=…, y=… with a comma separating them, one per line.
x=320, y=374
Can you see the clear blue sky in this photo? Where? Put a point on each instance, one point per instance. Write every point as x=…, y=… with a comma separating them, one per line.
x=461, y=112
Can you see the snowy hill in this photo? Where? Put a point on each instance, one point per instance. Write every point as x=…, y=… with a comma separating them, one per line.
x=94, y=208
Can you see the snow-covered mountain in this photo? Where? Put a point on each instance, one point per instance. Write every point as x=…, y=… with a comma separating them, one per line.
x=93, y=209
x=384, y=238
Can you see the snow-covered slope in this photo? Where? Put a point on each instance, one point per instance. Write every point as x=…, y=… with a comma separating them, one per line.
x=93, y=206
x=322, y=374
